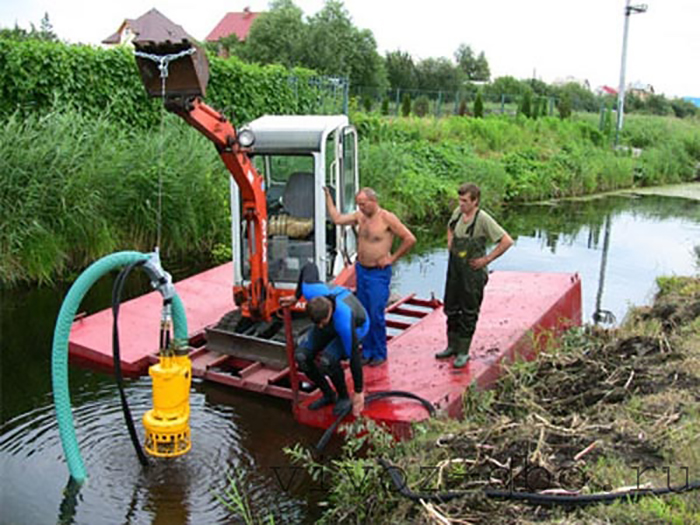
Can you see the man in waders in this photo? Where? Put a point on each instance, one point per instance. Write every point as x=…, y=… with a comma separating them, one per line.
x=469, y=230
x=376, y=230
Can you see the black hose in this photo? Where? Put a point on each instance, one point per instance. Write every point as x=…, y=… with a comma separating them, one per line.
x=399, y=481
x=117, y=290
x=528, y=497
x=371, y=397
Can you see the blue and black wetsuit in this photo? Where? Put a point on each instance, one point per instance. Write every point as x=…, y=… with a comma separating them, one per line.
x=336, y=341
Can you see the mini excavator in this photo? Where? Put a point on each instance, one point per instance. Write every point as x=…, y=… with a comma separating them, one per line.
x=279, y=166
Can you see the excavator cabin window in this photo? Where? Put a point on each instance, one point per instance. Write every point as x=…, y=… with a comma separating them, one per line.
x=289, y=183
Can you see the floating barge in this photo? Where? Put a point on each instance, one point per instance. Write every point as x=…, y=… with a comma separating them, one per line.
x=520, y=313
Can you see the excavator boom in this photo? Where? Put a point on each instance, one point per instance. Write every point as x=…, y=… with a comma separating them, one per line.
x=182, y=90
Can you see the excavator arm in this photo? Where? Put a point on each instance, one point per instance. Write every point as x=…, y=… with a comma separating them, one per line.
x=259, y=299
x=181, y=90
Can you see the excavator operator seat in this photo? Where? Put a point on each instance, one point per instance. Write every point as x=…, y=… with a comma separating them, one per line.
x=298, y=198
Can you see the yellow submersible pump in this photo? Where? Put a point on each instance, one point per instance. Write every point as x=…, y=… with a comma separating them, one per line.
x=168, y=423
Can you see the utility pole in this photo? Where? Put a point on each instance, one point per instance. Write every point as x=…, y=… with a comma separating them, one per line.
x=629, y=9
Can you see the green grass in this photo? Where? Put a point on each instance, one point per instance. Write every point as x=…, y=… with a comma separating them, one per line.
x=74, y=189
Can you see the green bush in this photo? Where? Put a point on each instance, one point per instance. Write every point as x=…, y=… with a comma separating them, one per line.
x=479, y=106
x=564, y=106
x=421, y=106
x=40, y=77
x=525, y=108
x=405, y=105
x=385, y=106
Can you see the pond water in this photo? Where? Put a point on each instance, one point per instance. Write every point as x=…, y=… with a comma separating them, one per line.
x=617, y=245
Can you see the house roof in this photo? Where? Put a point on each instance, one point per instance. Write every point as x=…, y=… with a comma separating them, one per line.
x=233, y=23
x=152, y=26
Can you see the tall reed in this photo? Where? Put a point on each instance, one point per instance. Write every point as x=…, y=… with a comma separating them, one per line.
x=74, y=188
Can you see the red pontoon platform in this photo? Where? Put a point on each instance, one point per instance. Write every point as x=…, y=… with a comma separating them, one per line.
x=521, y=311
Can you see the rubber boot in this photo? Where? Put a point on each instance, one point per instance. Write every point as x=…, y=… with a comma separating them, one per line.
x=338, y=379
x=462, y=352
x=327, y=399
x=451, y=346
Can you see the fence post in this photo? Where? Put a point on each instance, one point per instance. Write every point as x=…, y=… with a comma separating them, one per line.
x=503, y=103
x=346, y=95
x=398, y=101
x=602, y=116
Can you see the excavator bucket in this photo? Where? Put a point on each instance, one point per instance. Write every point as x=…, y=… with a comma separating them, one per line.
x=187, y=74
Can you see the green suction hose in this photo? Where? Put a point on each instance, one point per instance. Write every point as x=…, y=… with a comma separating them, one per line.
x=59, y=358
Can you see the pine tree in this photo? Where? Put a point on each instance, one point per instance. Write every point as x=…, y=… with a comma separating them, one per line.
x=479, y=106
x=406, y=105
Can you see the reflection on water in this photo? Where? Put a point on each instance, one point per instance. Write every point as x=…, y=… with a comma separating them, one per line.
x=645, y=237
x=235, y=432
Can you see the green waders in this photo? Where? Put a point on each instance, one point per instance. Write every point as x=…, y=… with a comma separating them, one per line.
x=464, y=292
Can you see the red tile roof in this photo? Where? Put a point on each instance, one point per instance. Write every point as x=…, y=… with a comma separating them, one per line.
x=238, y=23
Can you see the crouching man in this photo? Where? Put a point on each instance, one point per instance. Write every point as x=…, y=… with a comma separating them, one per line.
x=340, y=323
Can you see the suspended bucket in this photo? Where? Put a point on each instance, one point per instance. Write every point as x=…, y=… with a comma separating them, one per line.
x=187, y=74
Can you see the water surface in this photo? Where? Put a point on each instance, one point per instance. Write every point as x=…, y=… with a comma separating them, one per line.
x=617, y=245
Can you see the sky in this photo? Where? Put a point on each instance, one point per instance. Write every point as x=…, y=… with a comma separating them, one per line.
x=547, y=39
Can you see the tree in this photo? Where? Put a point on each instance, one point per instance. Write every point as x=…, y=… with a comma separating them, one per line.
x=658, y=105
x=45, y=32
x=526, y=104
x=581, y=98
x=46, y=29
x=406, y=105
x=506, y=86
x=421, y=106
x=564, y=105
x=336, y=47
x=474, y=68
x=479, y=106
x=226, y=46
x=400, y=70
x=277, y=36
x=684, y=108
x=438, y=74
x=385, y=106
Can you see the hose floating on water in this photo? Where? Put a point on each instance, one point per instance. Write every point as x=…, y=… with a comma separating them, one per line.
x=59, y=356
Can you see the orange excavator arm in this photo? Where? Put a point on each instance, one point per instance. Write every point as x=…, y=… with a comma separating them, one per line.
x=177, y=70
x=259, y=299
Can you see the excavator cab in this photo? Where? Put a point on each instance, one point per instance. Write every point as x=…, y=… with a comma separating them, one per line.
x=297, y=156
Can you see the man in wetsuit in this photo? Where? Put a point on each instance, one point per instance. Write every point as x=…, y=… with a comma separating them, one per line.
x=340, y=323
x=469, y=230
x=376, y=230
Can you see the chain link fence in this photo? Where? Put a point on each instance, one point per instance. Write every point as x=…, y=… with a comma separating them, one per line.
x=399, y=102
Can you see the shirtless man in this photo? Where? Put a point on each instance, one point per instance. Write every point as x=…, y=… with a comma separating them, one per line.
x=376, y=230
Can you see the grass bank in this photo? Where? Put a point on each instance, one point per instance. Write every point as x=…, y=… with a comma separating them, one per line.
x=605, y=409
x=75, y=187
x=416, y=163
